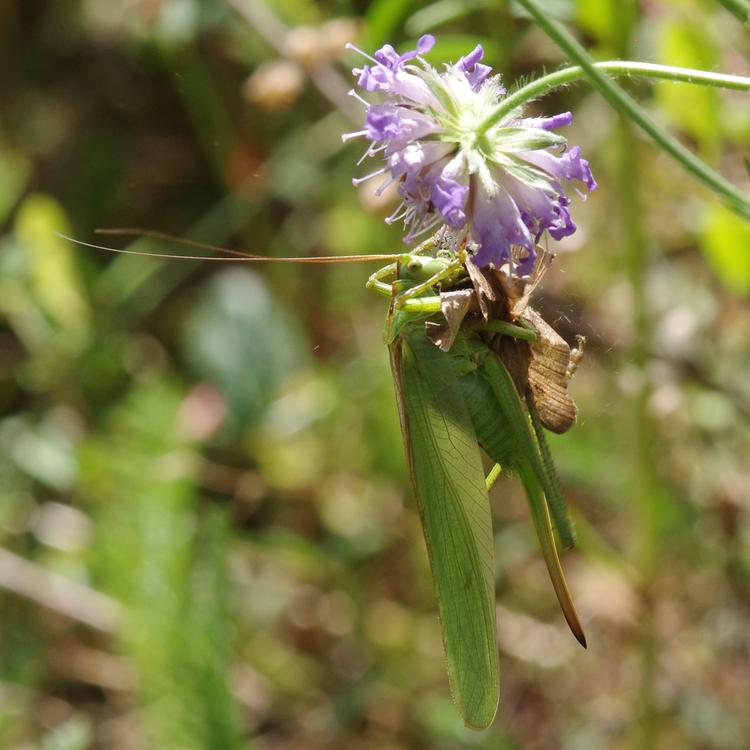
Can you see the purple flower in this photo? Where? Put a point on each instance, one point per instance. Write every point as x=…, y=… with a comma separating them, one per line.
x=500, y=187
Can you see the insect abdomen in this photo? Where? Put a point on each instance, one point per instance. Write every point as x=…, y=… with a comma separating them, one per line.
x=494, y=434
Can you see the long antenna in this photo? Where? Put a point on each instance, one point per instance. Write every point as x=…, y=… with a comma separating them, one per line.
x=155, y=234
x=238, y=256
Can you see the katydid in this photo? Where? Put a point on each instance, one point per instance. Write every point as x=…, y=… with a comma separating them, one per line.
x=452, y=403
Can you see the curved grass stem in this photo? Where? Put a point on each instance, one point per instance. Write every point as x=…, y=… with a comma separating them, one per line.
x=625, y=104
x=617, y=69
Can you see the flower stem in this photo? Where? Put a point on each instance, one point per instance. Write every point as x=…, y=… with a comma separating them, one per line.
x=627, y=68
x=626, y=105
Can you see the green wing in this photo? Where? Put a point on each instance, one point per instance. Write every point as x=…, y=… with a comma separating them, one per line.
x=448, y=481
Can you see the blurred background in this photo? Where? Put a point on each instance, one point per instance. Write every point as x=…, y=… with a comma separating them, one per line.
x=207, y=536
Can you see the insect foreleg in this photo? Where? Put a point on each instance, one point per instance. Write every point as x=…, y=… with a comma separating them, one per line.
x=421, y=305
x=426, y=247
x=417, y=305
x=425, y=286
x=509, y=329
x=376, y=283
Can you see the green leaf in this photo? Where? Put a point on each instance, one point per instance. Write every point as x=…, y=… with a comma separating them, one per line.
x=449, y=485
x=694, y=109
x=53, y=274
x=438, y=13
x=599, y=17
x=240, y=338
x=383, y=19
x=725, y=243
x=15, y=170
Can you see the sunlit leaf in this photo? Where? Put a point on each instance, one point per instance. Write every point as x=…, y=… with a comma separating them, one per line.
x=53, y=274
x=383, y=18
x=435, y=14
x=599, y=17
x=725, y=243
x=693, y=109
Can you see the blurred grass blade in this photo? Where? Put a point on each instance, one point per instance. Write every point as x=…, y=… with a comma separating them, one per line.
x=166, y=563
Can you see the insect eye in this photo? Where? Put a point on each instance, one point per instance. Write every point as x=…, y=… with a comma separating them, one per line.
x=414, y=265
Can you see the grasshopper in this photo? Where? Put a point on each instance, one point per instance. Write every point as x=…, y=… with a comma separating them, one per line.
x=474, y=368
x=452, y=401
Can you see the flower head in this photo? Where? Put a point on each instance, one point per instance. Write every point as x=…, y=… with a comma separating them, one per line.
x=499, y=186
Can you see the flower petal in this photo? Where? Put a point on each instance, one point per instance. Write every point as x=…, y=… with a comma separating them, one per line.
x=386, y=122
x=388, y=56
x=547, y=123
x=504, y=187
x=541, y=209
x=497, y=226
x=569, y=165
x=476, y=73
x=449, y=197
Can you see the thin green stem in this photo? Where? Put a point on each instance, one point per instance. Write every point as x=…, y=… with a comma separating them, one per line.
x=627, y=106
x=615, y=68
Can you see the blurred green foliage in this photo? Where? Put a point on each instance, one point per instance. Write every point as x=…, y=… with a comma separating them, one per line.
x=207, y=537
